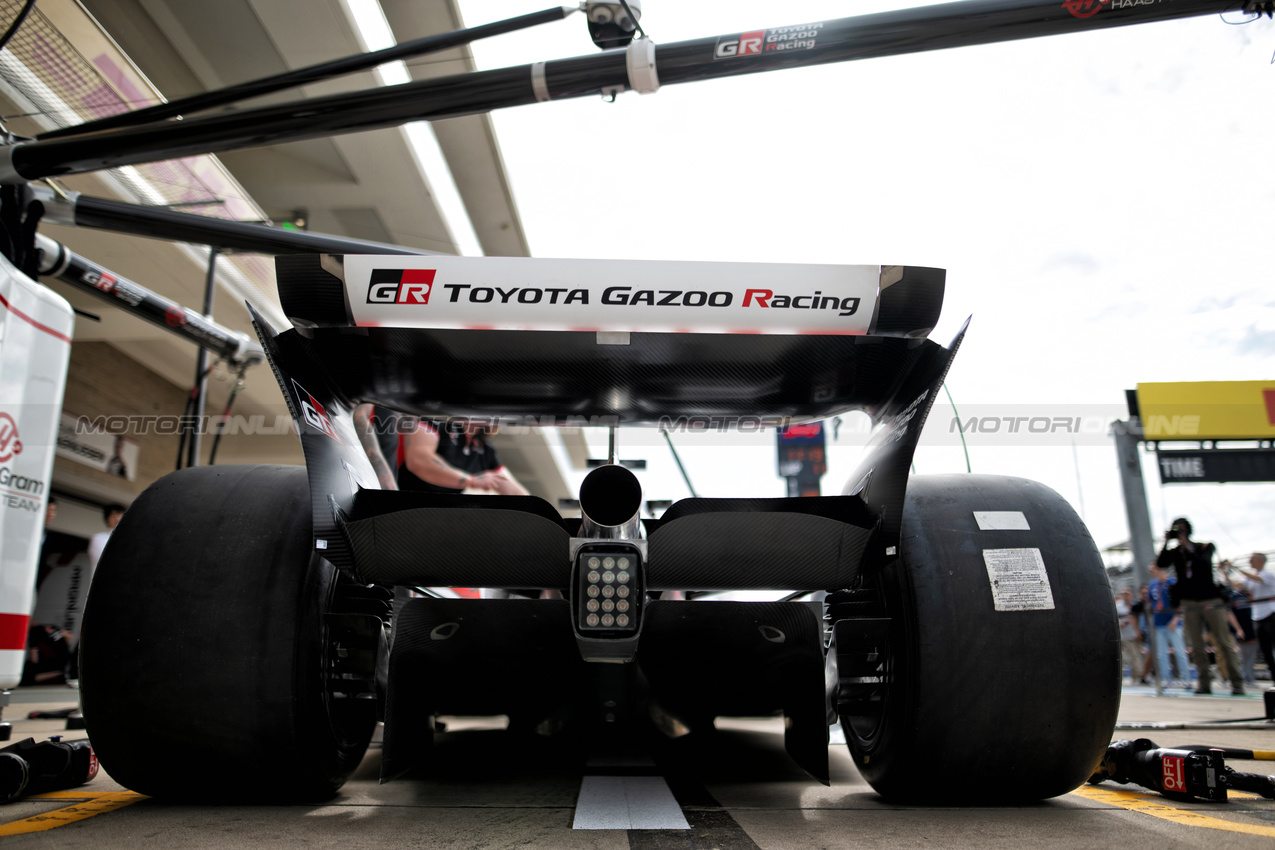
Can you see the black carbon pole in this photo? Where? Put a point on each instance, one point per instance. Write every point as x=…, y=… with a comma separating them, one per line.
x=311, y=74
x=959, y=24
x=370, y=109
x=918, y=30
x=60, y=262
x=162, y=223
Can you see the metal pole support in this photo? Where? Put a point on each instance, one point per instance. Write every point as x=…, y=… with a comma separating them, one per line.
x=1127, y=437
x=201, y=361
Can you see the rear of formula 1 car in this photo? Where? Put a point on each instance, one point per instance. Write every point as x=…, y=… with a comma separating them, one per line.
x=955, y=626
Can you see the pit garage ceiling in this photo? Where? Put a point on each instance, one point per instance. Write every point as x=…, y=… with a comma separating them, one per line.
x=369, y=185
x=365, y=185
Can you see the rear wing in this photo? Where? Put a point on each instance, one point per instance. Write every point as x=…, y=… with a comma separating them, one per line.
x=443, y=336
x=579, y=342
x=519, y=293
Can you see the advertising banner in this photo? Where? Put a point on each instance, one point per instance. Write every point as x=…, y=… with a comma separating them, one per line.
x=1207, y=410
x=35, y=349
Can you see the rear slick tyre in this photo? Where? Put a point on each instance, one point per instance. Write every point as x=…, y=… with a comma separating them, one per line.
x=205, y=668
x=978, y=705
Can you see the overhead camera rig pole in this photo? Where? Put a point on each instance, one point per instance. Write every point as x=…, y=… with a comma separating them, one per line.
x=312, y=73
x=641, y=66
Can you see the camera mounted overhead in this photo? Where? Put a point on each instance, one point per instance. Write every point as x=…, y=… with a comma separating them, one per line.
x=610, y=22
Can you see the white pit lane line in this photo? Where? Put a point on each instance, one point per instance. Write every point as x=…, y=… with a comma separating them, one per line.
x=627, y=802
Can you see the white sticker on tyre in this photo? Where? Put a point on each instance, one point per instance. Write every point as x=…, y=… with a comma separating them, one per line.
x=1001, y=521
x=1018, y=579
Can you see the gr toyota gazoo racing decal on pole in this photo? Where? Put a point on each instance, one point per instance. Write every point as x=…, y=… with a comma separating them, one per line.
x=758, y=42
x=516, y=293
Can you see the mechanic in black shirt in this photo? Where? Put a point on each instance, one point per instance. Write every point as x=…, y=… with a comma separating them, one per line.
x=377, y=429
x=1200, y=601
x=452, y=457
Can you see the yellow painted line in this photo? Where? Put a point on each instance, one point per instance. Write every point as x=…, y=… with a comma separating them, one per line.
x=1140, y=803
x=65, y=795
x=99, y=804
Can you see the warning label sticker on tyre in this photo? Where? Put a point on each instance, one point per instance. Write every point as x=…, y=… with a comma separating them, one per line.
x=1018, y=579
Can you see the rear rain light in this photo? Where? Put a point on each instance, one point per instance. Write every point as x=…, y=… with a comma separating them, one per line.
x=608, y=591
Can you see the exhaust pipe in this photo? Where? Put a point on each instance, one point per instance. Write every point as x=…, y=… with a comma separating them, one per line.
x=611, y=503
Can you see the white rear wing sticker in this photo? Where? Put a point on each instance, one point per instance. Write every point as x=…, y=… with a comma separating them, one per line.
x=518, y=293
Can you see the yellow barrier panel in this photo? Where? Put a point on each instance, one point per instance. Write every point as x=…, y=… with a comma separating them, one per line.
x=1208, y=410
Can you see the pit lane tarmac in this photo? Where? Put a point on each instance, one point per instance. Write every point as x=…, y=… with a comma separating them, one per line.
x=491, y=788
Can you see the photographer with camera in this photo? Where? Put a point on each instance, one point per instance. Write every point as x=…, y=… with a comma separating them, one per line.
x=1259, y=584
x=1199, y=599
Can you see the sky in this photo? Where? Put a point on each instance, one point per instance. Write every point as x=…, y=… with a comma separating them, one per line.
x=1099, y=201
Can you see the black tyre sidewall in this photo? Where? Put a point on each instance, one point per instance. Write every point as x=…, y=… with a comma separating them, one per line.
x=985, y=705
x=203, y=646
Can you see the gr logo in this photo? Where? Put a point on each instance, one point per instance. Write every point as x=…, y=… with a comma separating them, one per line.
x=313, y=413
x=103, y=280
x=748, y=44
x=400, y=286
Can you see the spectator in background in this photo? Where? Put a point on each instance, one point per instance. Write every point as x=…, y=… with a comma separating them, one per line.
x=111, y=515
x=50, y=514
x=1246, y=639
x=1200, y=600
x=1233, y=633
x=1130, y=642
x=1142, y=613
x=1168, y=630
x=48, y=656
x=1259, y=583
x=54, y=637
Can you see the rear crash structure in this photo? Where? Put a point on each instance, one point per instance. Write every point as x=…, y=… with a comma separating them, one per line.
x=939, y=619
